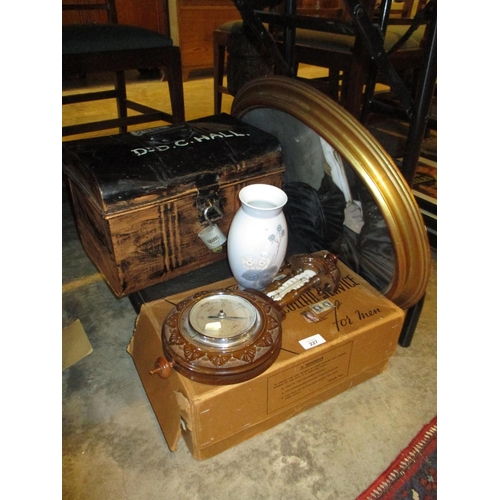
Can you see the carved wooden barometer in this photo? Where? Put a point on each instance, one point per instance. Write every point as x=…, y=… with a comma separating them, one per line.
x=227, y=336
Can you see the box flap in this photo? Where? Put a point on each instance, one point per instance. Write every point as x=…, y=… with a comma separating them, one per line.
x=145, y=348
x=138, y=168
x=75, y=344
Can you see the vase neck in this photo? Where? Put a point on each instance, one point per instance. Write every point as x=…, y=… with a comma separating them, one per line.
x=262, y=201
x=263, y=212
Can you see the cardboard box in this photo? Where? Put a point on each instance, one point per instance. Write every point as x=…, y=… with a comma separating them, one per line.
x=350, y=343
x=140, y=199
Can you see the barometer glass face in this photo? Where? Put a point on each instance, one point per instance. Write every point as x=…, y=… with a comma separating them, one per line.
x=223, y=336
x=223, y=316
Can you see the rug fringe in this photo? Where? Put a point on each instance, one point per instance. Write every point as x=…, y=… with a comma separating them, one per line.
x=405, y=461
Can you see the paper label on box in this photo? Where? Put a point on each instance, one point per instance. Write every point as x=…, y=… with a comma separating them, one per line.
x=290, y=386
x=312, y=341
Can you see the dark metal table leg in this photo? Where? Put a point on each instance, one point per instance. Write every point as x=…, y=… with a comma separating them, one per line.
x=410, y=323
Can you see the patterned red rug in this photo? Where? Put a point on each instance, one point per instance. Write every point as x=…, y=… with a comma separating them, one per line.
x=413, y=475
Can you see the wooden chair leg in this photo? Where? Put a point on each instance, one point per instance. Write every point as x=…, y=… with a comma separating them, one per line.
x=121, y=97
x=173, y=72
x=354, y=89
x=354, y=79
x=219, y=60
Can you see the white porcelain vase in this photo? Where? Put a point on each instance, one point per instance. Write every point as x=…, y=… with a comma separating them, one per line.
x=258, y=236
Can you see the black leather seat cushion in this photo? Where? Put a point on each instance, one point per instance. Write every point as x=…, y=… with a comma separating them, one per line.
x=90, y=38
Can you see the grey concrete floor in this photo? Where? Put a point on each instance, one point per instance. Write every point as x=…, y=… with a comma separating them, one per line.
x=113, y=447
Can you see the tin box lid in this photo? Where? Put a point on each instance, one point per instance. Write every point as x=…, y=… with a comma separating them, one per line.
x=124, y=171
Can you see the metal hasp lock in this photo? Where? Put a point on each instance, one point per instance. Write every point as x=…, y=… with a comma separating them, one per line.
x=211, y=235
x=208, y=214
x=207, y=186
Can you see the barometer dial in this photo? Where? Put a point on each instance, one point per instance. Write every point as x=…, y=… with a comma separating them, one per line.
x=222, y=336
x=223, y=316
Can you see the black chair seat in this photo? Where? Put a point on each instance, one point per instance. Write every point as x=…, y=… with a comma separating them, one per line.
x=91, y=38
x=99, y=47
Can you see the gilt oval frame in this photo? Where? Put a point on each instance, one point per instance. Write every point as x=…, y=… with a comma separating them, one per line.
x=371, y=163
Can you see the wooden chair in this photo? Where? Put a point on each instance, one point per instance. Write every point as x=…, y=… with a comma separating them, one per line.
x=344, y=55
x=327, y=9
x=106, y=46
x=347, y=59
